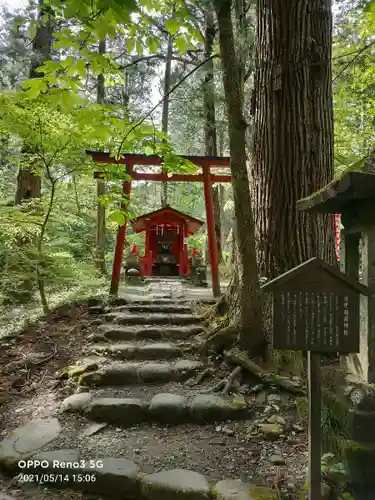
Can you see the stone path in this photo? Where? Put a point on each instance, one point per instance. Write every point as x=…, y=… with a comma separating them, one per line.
x=131, y=388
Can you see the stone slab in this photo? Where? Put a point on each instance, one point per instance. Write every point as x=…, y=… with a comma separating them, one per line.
x=116, y=475
x=26, y=441
x=186, y=368
x=169, y=408
x=122, y=411
x=118, y=333
x=152, y=319
x=211, y=408
x=115, y=374
x=158, y=350
x=76, y=402
x=234, y=489
x=159, y=308
x=129, y=351
x=156, y=372
x=175, y=484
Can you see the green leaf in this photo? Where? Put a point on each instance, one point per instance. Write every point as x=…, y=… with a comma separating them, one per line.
x=130, y=45
x=153, y=44
x=181, y=45
x=31, y=32
x=34, y=87
x=117, y=217
x=139, y=47
x=370, y=6
x=172, y=26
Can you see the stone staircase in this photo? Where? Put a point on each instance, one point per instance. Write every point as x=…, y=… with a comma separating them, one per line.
x=134, y=399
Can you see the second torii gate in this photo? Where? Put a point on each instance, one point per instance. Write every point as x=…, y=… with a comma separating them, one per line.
x=204, y=162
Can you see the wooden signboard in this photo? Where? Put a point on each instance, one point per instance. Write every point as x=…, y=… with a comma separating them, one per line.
x=315, y=309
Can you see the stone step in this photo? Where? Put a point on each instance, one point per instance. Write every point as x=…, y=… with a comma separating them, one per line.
x=155, y=308
x=137, y=351
x=117, y=332
x=152, y=319
x=122, y=374
x=122, y=301
x=163, y=408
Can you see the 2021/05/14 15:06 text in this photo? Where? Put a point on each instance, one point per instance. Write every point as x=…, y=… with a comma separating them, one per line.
x=55, y=478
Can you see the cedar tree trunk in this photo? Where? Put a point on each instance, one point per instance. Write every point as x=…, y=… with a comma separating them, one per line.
x=100, y=187
x=245, y=301
x=165, y=115
x=210, y=135
x=292, y=142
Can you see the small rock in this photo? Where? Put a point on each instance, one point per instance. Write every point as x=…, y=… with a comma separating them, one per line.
x=228, y=431
x=92, y=429
x=271, y=431
x=273, y=398
x=277, y=460
x=260, y=398
x=218, y=428
x=277, y=419
x=297, y=428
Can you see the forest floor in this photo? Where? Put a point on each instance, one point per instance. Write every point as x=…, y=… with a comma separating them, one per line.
x=29, y=390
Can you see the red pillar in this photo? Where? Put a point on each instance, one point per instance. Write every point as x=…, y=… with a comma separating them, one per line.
x=210, y=221
x=120, y=240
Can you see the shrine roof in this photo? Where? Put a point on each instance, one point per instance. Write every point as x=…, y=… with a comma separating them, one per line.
x=338, y=194
x=311, y=268
x=166, y=215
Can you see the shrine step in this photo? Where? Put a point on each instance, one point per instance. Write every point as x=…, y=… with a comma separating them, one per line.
x=117, y=332
x=152, y=319
x=164, y=408
x=138, y=351
x=155, y=308
x=121, y=374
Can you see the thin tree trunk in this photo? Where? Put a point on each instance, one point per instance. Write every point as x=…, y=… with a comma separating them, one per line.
x=100, y=187
x=210, y=134
x=293, y=130
x=246, y=309
x=165, y=116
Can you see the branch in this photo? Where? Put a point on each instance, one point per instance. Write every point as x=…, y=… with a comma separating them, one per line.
x=366, y=47
x=163, y=98
x=156, y=56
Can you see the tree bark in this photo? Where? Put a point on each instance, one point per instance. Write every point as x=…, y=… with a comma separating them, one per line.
x=246, y=306
x=100, y=187
x=165, y=115
x=210, y=133
x=292, y=150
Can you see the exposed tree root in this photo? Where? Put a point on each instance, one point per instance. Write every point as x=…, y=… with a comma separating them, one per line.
x=219, y=340
x=208, y=372
x=233, y=378
x=237, y=357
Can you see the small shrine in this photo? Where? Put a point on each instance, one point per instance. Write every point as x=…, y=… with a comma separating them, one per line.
x=167, y=232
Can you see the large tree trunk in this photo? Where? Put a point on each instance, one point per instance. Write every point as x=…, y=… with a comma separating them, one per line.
x=246, y=309
x=100, y=188
x=293, y=132
x=165, y=115
x=210, y=135
x=28, y=181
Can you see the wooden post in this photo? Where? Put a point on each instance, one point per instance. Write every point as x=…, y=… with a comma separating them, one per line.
x=120, y=241
x=210, y=220
x=314, y=481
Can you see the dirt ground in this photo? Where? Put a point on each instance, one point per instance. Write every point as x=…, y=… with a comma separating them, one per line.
x=29, y=389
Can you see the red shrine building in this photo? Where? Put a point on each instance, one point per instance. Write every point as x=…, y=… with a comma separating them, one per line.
x=166, y=250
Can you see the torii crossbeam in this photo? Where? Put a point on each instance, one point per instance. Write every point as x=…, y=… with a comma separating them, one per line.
x=204, y=162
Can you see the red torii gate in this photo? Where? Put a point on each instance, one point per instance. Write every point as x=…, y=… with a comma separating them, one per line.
x=205, y=162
